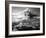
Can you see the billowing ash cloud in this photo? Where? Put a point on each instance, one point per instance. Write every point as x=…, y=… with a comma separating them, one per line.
x=22, y=15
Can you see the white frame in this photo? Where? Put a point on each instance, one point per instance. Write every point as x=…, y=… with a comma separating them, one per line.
x=25, y=32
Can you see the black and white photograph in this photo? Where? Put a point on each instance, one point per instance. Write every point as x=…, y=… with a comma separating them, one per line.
x=25, y=19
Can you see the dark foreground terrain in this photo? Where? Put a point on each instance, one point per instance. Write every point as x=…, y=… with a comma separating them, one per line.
x=30, y=24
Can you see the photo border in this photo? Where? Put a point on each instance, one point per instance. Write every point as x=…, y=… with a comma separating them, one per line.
x=7, y=18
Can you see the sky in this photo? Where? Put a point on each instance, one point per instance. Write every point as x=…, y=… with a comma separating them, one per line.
x=19, y=9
